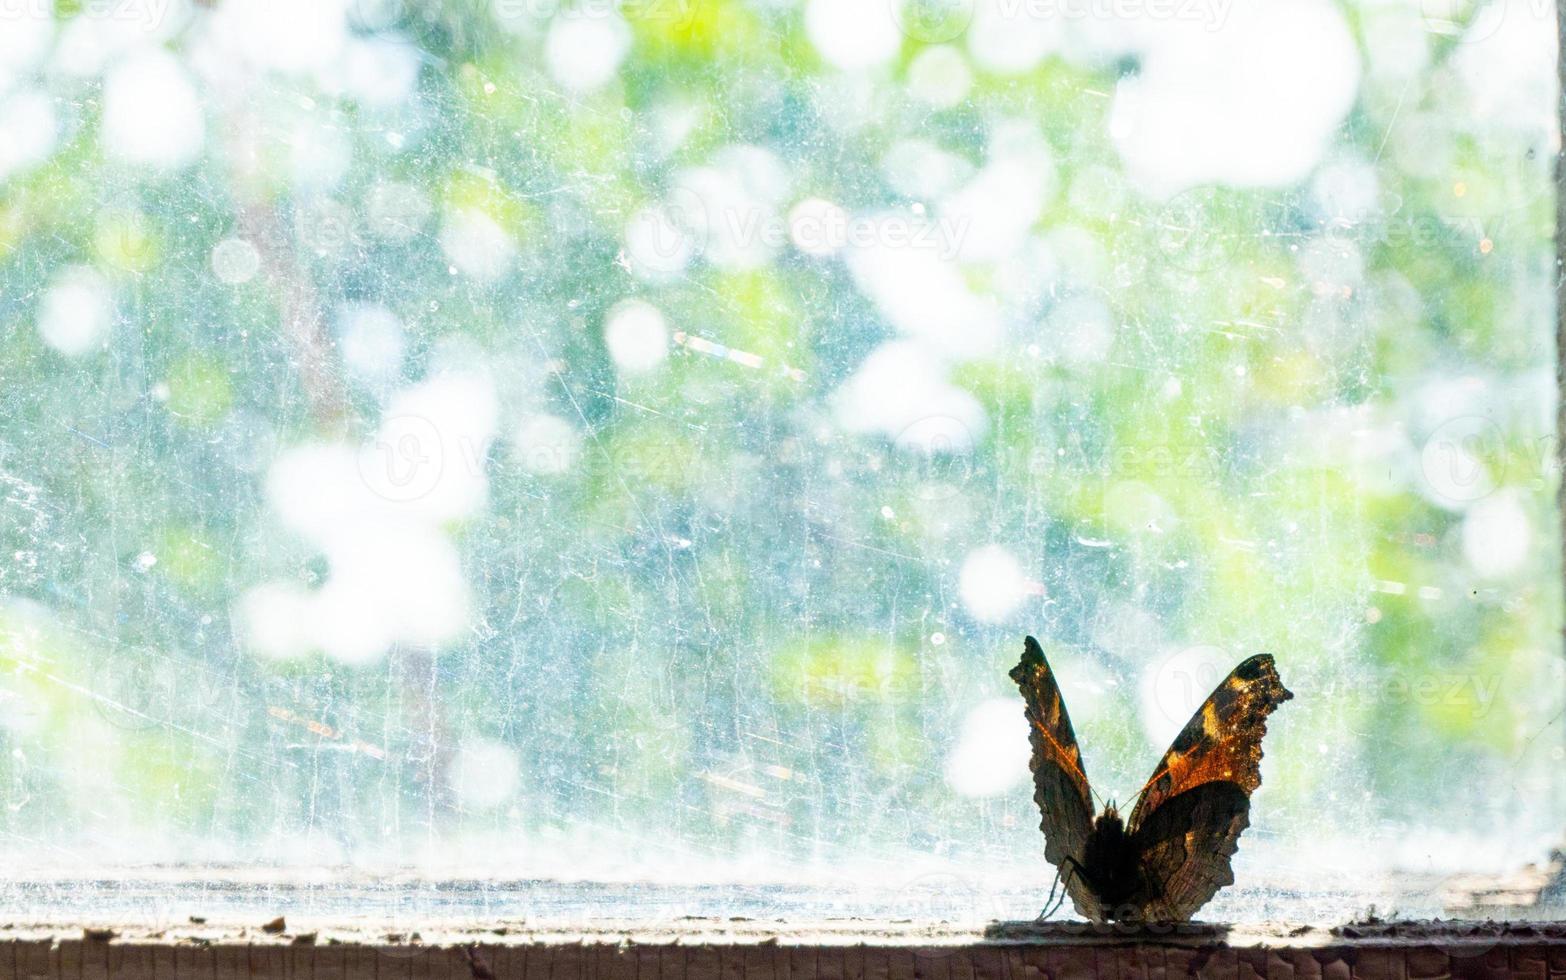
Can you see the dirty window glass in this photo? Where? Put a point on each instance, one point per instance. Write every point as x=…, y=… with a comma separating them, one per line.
x=628, y=440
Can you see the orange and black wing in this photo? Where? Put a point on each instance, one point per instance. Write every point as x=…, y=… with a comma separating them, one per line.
x=1188, y=820
x=1060, y=787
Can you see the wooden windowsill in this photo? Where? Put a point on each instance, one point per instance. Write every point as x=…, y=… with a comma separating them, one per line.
x=180, y=923
x=840, y=949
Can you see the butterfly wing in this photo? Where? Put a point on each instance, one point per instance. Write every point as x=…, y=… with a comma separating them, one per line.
x=1188, y=819
x=1060, y=786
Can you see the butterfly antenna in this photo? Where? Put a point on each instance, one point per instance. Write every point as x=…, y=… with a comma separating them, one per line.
x=1150, y=781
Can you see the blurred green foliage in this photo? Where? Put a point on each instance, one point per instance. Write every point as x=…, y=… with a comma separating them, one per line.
x=728, y=624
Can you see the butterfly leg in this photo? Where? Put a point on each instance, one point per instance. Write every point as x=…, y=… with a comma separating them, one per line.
x=1053, y=902
x=1052, y=909
x=1049, y=900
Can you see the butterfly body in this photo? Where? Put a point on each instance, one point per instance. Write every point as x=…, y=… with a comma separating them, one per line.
x=1109, y=861
x=1173, y=853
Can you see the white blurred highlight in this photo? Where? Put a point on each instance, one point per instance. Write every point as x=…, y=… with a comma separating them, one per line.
x=76, y=310
x=152, y=116
x=991, y=584
x=372, y=341
x=476, y=245
x=547, y=444
x=997, y=209
x=584, y=50
x=1497, y=535
x=235, y=261
x=1009, y=38
x=1252, y=101
x=902, y=385
x=922, y=291
x=485, y=773
x=288, y=36
x=854, y=34
x=379, y=514
x=991, y=753
x=939, y=77
x=637, y=336
x=1175, y=684
x=29, y=131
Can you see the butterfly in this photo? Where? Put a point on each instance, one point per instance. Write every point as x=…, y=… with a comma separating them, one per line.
x=1173, y=854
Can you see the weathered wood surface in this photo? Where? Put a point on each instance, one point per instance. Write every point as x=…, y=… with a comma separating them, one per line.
x=1410, y=951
